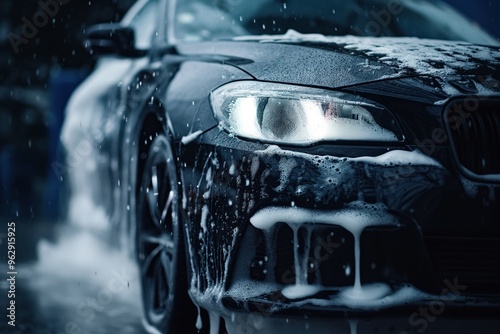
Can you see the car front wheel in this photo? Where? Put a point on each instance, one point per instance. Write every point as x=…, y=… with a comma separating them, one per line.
x=159, y=243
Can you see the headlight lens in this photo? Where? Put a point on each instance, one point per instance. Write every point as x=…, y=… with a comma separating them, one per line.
x=280, y=113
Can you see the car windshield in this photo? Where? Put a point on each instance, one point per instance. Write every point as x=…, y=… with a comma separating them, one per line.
x=199, y=20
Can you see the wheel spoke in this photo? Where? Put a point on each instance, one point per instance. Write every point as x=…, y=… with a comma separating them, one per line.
x=154, y=180
x=152, y=199
x=158, y=291
x=162, y=240
x=149, y=259
x=159, y=196
x=168, y=205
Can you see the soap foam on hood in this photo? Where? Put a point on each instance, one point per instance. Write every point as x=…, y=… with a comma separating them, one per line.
x=420, y=56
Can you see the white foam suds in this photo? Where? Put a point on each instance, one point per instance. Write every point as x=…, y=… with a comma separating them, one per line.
x=391, y=158
x=191, y=137
x=354, y=218
x=300, y=291
x=400, y=295
x=212, y=273
x=367, y=291
x=232, y=169
x=203, y=222
x=374, y=296
x=353, y=326
x=255, y=166
x=418, y=55
x=286, y=166
x=214, y=322
x=199, y=322
x=245, y=288
x=348, y=270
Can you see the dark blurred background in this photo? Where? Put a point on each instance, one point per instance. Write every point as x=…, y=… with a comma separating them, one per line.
x=39, y=69
x=37, y=76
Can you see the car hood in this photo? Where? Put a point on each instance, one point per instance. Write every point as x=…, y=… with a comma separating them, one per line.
x=336, y=62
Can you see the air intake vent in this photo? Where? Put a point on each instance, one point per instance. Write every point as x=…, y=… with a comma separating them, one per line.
x=474, y=127
x=474, y=262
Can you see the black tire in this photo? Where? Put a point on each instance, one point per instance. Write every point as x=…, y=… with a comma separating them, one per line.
x=160, y=247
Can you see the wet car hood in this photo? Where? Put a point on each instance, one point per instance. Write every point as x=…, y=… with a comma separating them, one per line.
x=336, y=62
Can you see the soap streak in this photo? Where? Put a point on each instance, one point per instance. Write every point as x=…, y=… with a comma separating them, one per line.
x=355, y=218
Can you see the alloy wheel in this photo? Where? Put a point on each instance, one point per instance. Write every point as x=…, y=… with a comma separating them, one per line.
x=158, y=235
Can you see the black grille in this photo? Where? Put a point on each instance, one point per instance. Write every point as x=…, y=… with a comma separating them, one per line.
x=474, y=127
x=385, y=254
x=330, y=253
x=474, y=262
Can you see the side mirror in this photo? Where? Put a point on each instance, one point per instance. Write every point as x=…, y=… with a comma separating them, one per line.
x=111, y=39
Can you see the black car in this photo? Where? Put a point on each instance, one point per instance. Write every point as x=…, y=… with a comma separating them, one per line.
x=279, y=158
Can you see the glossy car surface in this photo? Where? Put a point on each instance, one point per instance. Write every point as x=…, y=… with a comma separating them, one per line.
x=262, y=158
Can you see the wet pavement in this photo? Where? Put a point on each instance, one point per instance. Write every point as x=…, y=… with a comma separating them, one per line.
x=69, y=282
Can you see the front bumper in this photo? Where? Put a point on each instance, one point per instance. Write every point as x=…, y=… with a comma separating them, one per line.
x=239, y=266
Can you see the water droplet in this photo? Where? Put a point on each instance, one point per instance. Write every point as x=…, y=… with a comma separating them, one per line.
x=348, y=270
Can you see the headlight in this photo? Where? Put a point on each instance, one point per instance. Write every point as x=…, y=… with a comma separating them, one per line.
x=280, y=113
